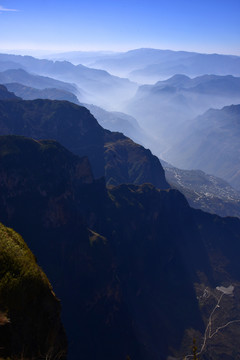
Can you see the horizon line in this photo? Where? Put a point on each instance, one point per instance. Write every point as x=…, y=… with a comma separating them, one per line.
x=106, y=51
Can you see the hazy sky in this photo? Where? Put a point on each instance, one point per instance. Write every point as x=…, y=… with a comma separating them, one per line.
x=198, y=25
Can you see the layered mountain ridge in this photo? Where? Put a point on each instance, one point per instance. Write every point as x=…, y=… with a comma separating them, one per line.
x=110, y=120
x=32, y=80
x=99, y=86
x=149, y=65
x=30, y=93
x=139, y=273
x=167, y=108
x=211, y=144
x=111, y=155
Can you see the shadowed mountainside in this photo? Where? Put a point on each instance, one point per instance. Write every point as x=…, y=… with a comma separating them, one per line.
x=122, y=260
x=111, y=155
x=113, y=121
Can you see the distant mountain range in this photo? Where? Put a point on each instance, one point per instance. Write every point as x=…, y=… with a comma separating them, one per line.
x=191, y=64
x=164, y=109
x=30, y=93
x=150, y=65
x=81, y=57
x=225, y=86
x=99, y=87
x=35, y=81
x=211, y=143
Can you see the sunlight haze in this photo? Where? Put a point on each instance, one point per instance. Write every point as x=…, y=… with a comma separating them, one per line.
x=206, y=26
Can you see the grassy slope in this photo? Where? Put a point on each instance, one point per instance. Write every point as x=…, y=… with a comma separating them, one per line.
x=29, y=310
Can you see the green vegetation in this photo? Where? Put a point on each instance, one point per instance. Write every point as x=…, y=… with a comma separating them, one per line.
x=19, y=272
x=29, y=310
x=194, y=349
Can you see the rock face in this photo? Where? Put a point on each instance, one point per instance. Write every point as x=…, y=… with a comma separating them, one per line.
x=111, y=155
x=129, y=263
x=30, y=325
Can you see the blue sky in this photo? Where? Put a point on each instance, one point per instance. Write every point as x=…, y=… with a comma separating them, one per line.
x=118, y=25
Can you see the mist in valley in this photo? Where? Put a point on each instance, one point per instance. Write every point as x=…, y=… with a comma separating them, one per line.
x=163, y=116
